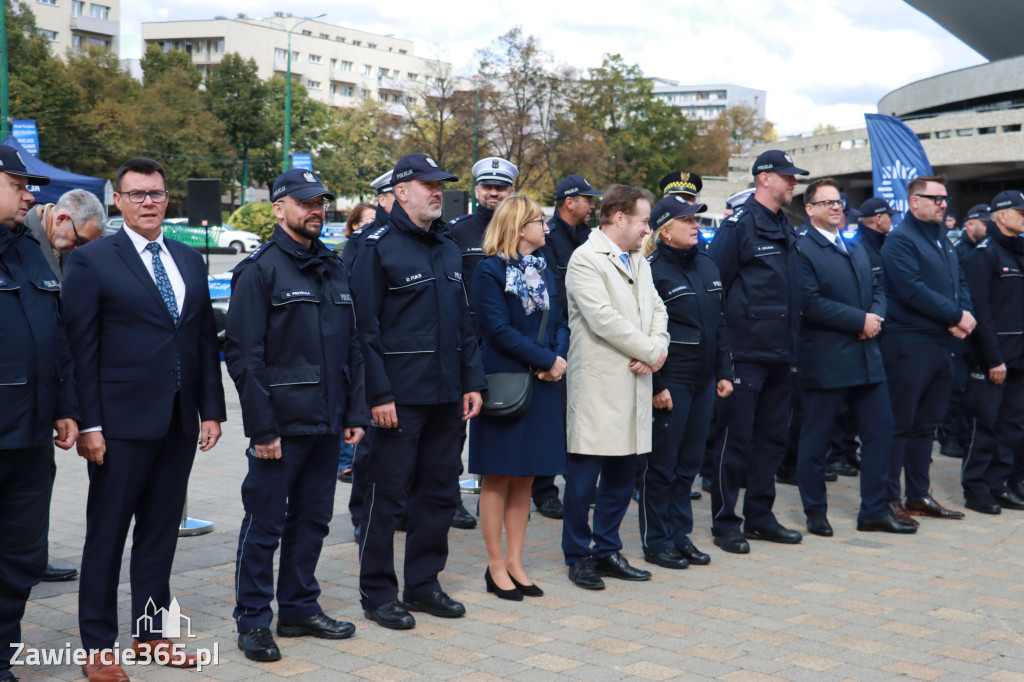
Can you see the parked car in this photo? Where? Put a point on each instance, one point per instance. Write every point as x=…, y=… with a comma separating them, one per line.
x=113, y=225
x=333, y=235
x=221, y=236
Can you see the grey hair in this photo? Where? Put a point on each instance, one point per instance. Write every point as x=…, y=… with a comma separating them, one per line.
x=83, y=207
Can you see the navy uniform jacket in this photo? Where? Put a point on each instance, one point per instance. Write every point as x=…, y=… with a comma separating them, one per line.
x=690, y=285
x=354, y=241
x=562, y=239
x=838, y=291
x=755, y=250
x=964, y=247
x=36, y=385
x=418, y=342
x=995, y=273
x=125, y=344
x=468, y=232
x=291, y=345
x=872, y=242
x=924, y=285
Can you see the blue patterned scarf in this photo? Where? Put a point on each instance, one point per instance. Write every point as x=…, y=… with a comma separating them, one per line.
x=524, y=278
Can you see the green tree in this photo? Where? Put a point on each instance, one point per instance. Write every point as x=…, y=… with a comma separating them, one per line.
x=156, y=64
x=735, y=130
x=310, y=121
x=257, y=218
x=360, y=145
x=439, y=121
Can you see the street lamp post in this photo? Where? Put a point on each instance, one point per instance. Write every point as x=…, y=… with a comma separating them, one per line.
x=287, y=142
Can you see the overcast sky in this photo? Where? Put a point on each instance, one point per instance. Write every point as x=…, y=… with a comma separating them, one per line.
x=820, y=61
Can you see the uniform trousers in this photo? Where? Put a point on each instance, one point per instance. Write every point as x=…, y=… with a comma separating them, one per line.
x=617, y=475
x=147, y=480
x=870, y=403
x=753, y=432
x=954, y=426
x=666, y=512
x=920, y=376
x=415, y=466
x=25, y=487
x=996, y=421
x=287, y=501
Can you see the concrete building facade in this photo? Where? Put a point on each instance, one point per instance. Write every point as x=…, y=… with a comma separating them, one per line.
x=339, y=66
x=706, y=102
x=76, y=24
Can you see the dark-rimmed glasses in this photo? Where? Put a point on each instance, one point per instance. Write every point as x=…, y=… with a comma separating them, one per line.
x=828, y=203
x=939, y=199
x=78, y=239
x=138, y=196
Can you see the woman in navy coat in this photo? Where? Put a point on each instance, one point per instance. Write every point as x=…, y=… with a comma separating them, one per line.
x=512, y=290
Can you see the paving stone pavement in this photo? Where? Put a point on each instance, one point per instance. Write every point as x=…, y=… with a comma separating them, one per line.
x=945, y=603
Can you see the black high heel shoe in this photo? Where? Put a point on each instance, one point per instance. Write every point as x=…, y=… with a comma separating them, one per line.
x=512, y=595
x=527, y=590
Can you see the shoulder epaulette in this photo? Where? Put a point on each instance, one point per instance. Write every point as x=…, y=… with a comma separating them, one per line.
x=458, y=219
x=983, y=244
x=736, y=215
x=653, y=257
x=257, y=253
x=377, y=234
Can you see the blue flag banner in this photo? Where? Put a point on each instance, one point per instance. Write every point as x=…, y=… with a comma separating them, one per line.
x=302, y=161
x=26, y=133
x=896, y=158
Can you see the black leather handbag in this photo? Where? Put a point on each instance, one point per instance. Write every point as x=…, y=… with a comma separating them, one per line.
x=509, y=393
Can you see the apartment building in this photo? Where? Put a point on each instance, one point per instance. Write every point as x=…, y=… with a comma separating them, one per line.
x=76, y=24
x=706, y=102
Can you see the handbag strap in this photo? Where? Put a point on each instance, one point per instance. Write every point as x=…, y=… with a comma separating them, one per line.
x=543, y=326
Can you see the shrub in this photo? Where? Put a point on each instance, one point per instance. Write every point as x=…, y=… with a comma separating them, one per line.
x=256, y=218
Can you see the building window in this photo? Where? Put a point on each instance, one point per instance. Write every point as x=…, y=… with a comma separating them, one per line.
x=313, y=85
x=99, y=42
x=396, y=74
x=383, y=73
x=367, y=69
x=99, y=12
x=77, y=8
x=334, y=64
x=372, y=46
x=325, y=36
x=403, y=52
x=218, y=47
x=346, y=66
x=49, y=35
x=315, y=59
x=47, y=2
x=280, y=55
x=307, y=33
x=357, y=43
x=346, y=90
x=199, y=46
x=76, y=41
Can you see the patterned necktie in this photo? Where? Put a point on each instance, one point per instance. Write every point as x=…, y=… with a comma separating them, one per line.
x=163, y=285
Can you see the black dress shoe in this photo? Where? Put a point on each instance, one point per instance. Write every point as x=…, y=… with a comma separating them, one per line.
x=59, y=575
x=927, y=506
x=777, y=533
x=463, y=519
x=844, y=468
x=830, y=473
x=983, y=504
x=616, y=566
x=734, y=543
x=885, y=524
x=694, y=555
x=512, y=595
x=1009, y=500
x=695, y=495
x=951, y=449
x=817, y=524
x=319, y=625
x=705, y=484
x=259, y=645
x=789, y=478
x=357, y=532
x=582, y=574
x=392, y=615
x=1017, y=488
x=438, y=604
x=667, y=558
x=550, y=508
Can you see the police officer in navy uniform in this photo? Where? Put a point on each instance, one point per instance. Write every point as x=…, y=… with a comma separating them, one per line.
x=567, y=230
x=293, y=352
x=385, y=199
x=755, y=250
x=995, y=354
x=929, y=305
x=423, y=378
x=843, y=306
x=875, y=224
x=974, y=231
x=683, y=183
x=37, y=394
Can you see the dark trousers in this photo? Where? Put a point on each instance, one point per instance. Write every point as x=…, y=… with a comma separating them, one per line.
x=360, y=465
x=544, y=487
x=414, y=466
x=287, y=501
x=954, y=426
x=752, y=436
x=842, y=441
x=920, y=376
x=25, y=485
x=147, y=480
x=787, y=468
x=617, y=475
x=666, y=512
x=871, y=405
x=996, y=420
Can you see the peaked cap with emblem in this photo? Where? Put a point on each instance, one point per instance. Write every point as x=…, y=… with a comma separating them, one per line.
x=418, y=167
x=681, y=182
x=495, y=171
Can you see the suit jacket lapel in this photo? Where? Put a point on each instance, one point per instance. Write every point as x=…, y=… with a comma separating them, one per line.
x=126, y=250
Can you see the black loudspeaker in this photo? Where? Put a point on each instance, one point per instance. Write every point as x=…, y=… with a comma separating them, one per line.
x=203, y=202
x=456, y=203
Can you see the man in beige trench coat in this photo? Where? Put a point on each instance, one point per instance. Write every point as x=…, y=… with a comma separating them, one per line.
x=618, y=339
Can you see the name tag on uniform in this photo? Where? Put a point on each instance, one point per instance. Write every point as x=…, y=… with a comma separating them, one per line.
x=766, y=250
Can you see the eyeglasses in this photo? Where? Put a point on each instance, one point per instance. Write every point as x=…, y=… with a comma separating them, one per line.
x=78, y=239
x=310, y=205
x=535, y=220
x=828, y=203
x=138, y=196
x=939, y=199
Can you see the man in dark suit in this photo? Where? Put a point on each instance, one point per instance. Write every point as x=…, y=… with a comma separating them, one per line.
x=842, y=306
x=137, y=307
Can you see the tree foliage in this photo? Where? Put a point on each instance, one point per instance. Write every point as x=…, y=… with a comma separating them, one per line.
x=257, y=218
x=360, y=145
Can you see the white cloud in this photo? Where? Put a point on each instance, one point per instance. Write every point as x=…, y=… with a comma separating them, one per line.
x=821, y=61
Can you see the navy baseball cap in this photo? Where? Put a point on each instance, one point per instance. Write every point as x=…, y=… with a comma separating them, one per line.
x=418, y=167
x=671, y=207
x=979, y=212
x=1011, y=198
x=875, y=206
x=300, y=184
x=777, y=161
x=575, y=185
x=12, y=164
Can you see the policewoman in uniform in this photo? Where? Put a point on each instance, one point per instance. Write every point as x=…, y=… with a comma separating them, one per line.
x=423, y=378
x=292, y=350
x=995, y=353
x=698, y=367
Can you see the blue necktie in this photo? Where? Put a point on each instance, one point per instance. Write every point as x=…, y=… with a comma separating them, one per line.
x=163, y=285
x=624, y=257
x=840, y=245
